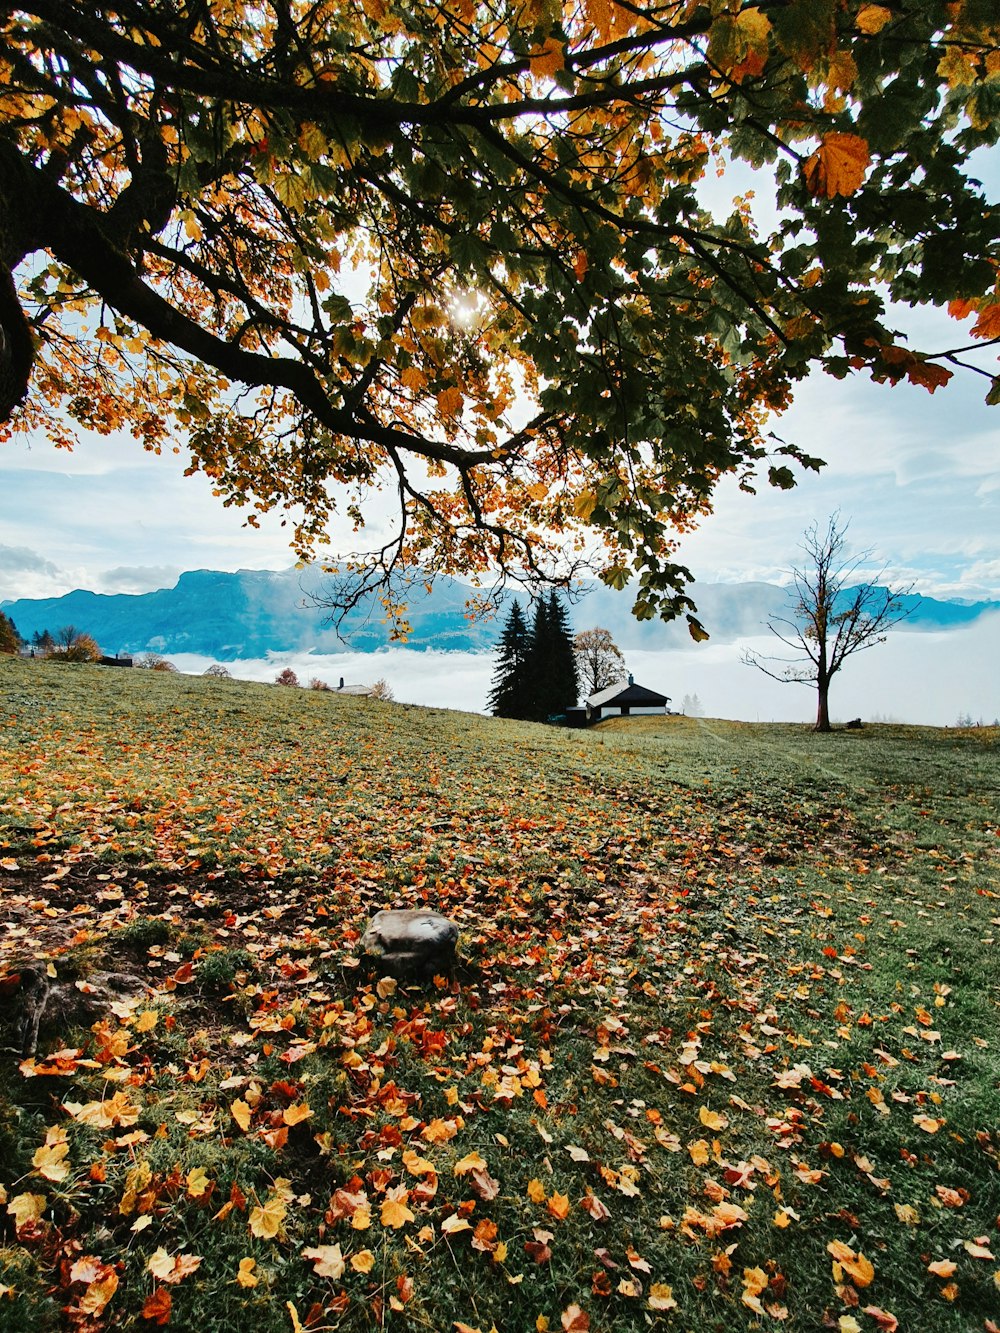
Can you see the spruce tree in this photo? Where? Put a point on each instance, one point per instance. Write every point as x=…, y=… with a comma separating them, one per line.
x=536, y=694
x=563, y=679
x=508, y=694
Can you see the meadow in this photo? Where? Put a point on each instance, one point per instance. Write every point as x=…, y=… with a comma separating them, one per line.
x=722, y=1051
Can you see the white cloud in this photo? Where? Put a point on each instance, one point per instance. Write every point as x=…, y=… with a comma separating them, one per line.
x=924, y=678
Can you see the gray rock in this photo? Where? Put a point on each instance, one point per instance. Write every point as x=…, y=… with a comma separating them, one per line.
x=412, y=940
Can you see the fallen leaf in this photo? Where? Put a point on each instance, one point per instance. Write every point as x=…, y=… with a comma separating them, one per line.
x=327, y=1260
x=245, y=1276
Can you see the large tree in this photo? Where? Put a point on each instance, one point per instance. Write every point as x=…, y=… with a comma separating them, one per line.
x=834, y=613
x=599, y=660
x=509, y=685
x=330, y=247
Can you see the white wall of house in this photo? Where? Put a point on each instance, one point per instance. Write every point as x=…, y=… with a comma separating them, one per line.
x=647, y=712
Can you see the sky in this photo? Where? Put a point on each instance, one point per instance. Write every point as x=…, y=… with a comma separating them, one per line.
x=916, y=475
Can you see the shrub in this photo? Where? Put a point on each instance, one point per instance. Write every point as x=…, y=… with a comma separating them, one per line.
x=286, y=677
x=218, y=672
x=382, y=692
x=317, y=684
x=154, y=662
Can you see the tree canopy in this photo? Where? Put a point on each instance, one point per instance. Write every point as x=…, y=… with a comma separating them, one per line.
x=465, y=253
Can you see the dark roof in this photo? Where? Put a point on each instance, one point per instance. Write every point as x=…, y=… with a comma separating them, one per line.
x=616, y=696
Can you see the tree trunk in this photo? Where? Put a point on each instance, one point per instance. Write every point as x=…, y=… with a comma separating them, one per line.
x=822, y=706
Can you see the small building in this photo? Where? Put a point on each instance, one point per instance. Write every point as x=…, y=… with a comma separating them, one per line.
x=626, y=699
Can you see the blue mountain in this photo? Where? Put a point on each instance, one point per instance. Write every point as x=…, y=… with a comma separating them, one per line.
x=249, y=613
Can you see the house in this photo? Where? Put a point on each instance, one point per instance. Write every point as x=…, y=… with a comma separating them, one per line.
x=626, y=699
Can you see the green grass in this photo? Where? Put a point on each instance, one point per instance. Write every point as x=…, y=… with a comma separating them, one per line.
x=734, y=984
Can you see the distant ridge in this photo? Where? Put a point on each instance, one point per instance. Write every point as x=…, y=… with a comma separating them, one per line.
x=251, y=613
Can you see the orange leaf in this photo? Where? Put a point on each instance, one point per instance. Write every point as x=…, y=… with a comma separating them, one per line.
x=928, y=374
x=942, y=1267
x=859, y=1269
x=157, y=1306
x=988, y=323
x=838, y=165
x=558, y=1205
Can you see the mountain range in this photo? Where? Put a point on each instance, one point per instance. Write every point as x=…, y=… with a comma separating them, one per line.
x=250, y=613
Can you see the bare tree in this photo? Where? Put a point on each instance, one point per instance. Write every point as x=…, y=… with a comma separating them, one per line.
x=599, y=660
x=832, y=617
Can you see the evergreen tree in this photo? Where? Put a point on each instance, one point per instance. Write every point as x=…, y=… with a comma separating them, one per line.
x=508, y=694
x=563, y=681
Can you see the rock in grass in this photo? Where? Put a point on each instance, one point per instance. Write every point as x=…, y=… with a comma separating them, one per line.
x=412, y=940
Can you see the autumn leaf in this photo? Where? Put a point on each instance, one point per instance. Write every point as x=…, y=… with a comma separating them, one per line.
x=327, y=1260
x=241, y=1113
x=470, y=1162
x=558, y=1205
x=838, y=166
x=661, y=1297
x=942, y=1267
x=26, y=1208
x=157, y=1305
x=395, y=1213
x=988, y=323
x=363, y=1261
x=871, y=19
x=98, y=1294
x=265, y=1220
x=245, y=1275
x=536, y=1191
x=172, y=1268
x=50, y=1161
x=574, y=1320
x=858, y=1268
x=712, y=1119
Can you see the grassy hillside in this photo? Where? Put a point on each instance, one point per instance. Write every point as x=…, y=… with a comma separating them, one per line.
x=723, y=1051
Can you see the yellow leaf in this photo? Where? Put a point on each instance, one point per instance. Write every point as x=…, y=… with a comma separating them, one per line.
x=417, y=1165
x=454, y=1224
x=50, y=1161
x=857, y=1267
x=395, y=1213
x=245, y=1277
x=470, y=1162
x=363, y=1261
x=661, y=1297
x=558, y=1205
x=266, y=1219
x=327, y=1260
x=147, y=1020
x=450, y=401
x=26, y=1208
x=536, y=1191
x=172, y=1267
x=241, y=1113
x=699, y=1151
x=97, y=1295
x=197, y=1182
x=871, y=19
x=838, y=165
x=294, y=1115
x=712, y=1119
x=361, y=1218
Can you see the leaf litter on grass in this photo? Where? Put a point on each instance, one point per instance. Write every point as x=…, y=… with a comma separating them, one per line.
x=721, y=1052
